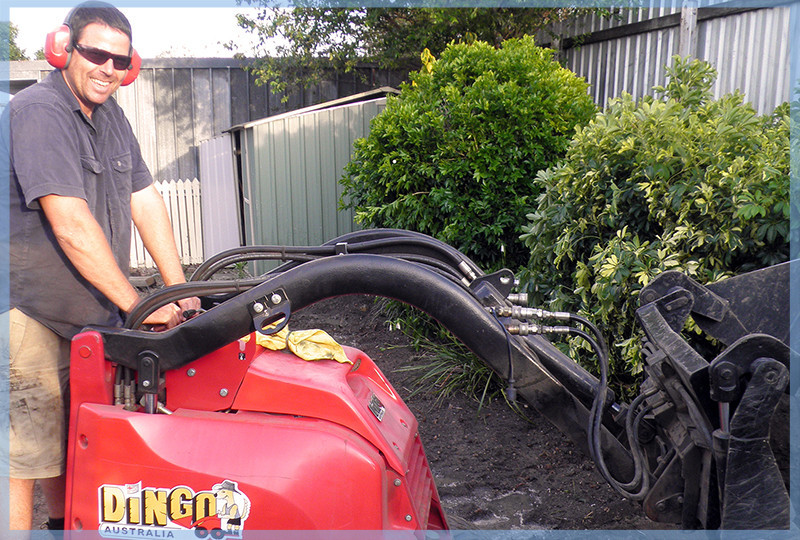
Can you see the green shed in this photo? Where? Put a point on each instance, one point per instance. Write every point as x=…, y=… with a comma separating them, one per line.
x=289, y=166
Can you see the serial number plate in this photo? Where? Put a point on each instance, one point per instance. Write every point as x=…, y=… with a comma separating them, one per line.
x=376, y=407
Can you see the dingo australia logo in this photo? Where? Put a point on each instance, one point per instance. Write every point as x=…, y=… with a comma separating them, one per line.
x=130, y=511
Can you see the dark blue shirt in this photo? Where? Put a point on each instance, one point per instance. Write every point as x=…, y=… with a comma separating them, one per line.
x=54, y=148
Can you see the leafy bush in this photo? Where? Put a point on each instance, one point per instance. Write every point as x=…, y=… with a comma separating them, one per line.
x=679, y=181
x=455, y=155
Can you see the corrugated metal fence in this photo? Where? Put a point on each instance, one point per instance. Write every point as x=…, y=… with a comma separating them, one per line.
x=221, y=210
x=627, y=52
x=175, y=104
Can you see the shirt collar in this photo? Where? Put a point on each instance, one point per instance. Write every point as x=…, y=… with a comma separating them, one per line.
x=56, y=78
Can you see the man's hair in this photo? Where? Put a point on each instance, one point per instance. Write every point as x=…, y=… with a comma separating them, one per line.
x=97, y=12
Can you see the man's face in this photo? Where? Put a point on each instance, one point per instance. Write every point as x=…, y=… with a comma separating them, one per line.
x=91, y=83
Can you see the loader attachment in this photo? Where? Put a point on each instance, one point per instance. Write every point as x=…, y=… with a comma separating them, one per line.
x=692, y=447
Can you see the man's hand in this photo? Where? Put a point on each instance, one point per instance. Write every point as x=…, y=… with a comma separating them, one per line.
x=189, y=304
x=165, y=317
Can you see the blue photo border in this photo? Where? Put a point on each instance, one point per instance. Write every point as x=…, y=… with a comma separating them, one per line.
x=793, y=532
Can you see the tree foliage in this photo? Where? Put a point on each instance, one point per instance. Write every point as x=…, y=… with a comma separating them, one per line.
x=456, y=154
x=9, y=50
x=312, y=41
x=677, y=181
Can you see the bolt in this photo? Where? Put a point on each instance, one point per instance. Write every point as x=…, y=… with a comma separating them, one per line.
x=223, y=392
x=258, y=307
x=146, y=383
x=276, y=298
x=661, y=506
x=191, y=372
x=408, y=517
x=397, y=482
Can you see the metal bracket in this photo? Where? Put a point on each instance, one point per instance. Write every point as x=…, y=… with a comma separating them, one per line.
x=754, y=495
x=662, y=322
x=502, y=281
x=148, y=371
x=728, y=369
x=270, y=309
x=705, y=302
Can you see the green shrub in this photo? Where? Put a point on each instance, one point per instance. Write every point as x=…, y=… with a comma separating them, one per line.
x=455, y=155
x=680, y=181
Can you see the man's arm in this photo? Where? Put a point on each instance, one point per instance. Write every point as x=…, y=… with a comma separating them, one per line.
x=84, y=243
x=152, y=221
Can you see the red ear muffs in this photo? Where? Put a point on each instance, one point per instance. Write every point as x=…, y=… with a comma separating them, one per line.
x=56, y=46
x=133, y=70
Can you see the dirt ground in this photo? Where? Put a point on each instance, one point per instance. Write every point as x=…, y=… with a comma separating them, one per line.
x=493, y=468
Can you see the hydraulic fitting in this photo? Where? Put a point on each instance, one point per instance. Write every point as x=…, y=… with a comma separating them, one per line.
x=523, y=313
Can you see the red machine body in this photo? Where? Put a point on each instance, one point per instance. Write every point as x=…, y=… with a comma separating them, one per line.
x=257, y=440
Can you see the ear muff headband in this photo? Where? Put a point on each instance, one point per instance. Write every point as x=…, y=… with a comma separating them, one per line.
x=58, y=52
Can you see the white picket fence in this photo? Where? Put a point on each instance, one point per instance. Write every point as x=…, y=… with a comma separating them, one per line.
x=182, y=198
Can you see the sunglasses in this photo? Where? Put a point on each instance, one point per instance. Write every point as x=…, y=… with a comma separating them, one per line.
x=100, y=57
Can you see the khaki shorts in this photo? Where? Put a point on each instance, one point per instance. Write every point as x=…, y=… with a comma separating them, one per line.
x=38, y=399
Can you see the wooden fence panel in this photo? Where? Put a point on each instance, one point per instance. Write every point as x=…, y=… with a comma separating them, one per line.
x=183, y=202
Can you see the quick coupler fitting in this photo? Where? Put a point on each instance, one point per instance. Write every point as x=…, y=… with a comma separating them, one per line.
x=523, y=313
x=520, y=299
x=526, y=329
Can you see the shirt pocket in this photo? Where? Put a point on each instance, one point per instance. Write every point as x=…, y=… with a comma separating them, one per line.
x=91, y=165
x=92, y=186
x=122, y=167
x=122, y=164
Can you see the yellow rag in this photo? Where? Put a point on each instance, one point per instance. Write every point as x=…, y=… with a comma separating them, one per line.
x=306, y=344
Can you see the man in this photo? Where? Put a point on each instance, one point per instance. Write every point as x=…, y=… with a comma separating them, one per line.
x=77, y=179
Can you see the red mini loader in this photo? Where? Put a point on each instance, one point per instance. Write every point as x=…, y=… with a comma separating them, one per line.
x=199, y=430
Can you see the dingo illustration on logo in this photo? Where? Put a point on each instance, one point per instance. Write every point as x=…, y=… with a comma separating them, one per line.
x=233, y=506
x=129, y=511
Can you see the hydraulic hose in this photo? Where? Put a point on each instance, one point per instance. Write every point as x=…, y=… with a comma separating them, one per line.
x=311, y=282
x=376, y=234
x=174, y=293
x=445, y=252
x=378, y=275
